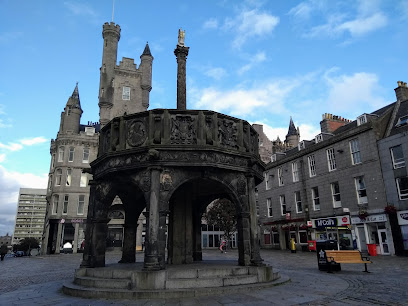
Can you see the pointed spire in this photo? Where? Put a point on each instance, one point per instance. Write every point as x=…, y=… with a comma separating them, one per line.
x=74, y=101
x=147, y=50
x=292, y=129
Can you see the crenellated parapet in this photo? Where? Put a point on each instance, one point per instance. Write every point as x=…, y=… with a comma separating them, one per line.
x=178, y=137
x=111, y=29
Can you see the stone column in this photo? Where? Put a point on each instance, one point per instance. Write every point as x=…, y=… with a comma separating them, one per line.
x=75, y=246
x=244, y=243
x=181, y=53
x=255, y=255
x=44, y=245
x=139, y=233
x=58, y=242
x=151, y=259
x=129, y=243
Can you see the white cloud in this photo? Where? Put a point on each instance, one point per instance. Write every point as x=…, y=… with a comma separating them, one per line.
x=356, y=93
x=33, y=141
x=10, y=183
x=250, y=24
x=216, y=73
x=11, y=146
x=2, y=157
x=211, y=23
x=78, y=8
x=258, y=58
x=357, y=19
x=4, y=125
x=362, y=26
x=308, y=131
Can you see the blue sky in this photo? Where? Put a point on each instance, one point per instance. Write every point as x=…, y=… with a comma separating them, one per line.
x=262, y=61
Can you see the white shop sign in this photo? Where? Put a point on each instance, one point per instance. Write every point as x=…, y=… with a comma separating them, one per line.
x=369, y=219
x=402, y=217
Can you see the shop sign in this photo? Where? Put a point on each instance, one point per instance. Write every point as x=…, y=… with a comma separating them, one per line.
x=77, y=221
x=402, y=217
x=331, y=222
x=369, y=219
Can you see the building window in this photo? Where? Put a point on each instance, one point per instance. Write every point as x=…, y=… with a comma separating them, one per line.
x=68, y=110
x=312, y=165
x=361, y=190
x=58, y=177
x=402, y=186
x=267, y=181
x=71, y=154
x=126, y=93
x=402, y=121
x=315, y=198
x=295, y=172
x=397, y=156
x=65, y=205
x=361, y=120
x=81, y=204
x=84, y=180
x=335, y=189
x=50, y=183
x=52, y=161
x=69, y=176
x=319, y=138
x=301, y=145
x=355, y=152
x=280, y=176
x=85, y=156
x=331, y=159
x=269, y=207
x=298, y=202
x=55, y=200
x=282, y=201
x=61, y=154
x=273, y=158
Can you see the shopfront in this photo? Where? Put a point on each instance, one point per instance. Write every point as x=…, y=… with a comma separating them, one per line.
x=336, y=228
x=373, y=234
x=403, y=223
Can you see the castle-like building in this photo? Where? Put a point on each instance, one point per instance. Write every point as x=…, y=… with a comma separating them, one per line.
x=124, y=89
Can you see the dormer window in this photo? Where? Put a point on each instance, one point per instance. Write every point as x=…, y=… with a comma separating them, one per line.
x=301, y=145
x=402, y=121
x=126, y=93
x=273, y=158
x=319, y=138
x=361, y=120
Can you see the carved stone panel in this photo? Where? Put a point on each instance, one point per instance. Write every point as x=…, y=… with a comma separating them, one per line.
x=136, y=133
x=146, y=182
x=183, y=130
x=227, y=133
x=241, y=187
x=106, y=141
x=166, y=180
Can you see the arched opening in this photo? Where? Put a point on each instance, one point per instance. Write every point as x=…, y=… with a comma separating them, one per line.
x=186, y=207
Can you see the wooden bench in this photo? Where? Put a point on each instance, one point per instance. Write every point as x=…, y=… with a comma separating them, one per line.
x=346, y=257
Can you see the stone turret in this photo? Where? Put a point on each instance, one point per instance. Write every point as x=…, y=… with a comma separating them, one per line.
x=71, y=116
x=146, y=63
x=293, y=135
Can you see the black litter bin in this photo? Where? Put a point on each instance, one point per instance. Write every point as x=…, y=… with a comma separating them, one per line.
x=321, y=246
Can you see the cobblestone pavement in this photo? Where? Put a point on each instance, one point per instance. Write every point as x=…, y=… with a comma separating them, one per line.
x=38, y=280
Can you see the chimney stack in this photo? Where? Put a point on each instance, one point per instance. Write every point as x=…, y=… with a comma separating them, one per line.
x=331, y=122
x=401, y=91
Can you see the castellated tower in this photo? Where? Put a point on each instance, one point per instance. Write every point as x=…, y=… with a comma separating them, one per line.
x=124, y=88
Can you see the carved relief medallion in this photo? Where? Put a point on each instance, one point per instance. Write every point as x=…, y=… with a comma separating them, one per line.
x=136, y=133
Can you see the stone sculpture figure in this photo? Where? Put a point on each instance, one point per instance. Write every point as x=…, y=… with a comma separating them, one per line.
x=181, y=36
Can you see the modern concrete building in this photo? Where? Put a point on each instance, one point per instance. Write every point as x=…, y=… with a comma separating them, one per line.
x=30, y=216
x=330, y=187
x=124, y=89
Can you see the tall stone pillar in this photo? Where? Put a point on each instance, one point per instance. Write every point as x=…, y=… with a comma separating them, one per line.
x=75, y=244
x=151, y=259
x=255, y=254
x=139, y=238
x=244, y=236
x=181, y=53
x=129, y=243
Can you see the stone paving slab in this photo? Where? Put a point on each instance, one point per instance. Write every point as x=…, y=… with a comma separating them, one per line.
x=38, y=280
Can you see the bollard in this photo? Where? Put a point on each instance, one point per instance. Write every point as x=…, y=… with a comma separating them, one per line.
x=292, y=245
